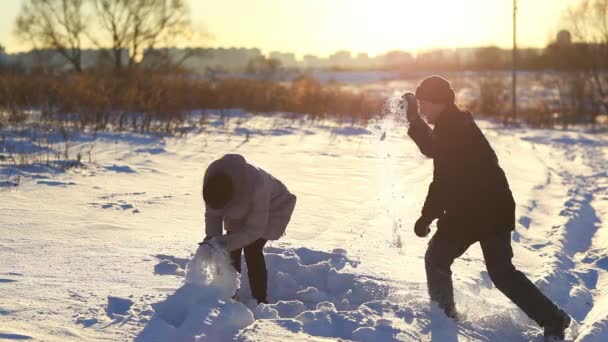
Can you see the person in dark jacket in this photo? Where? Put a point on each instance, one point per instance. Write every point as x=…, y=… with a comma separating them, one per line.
x=471, y=198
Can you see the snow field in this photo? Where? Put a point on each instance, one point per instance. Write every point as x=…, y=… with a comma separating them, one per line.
x=99, y=253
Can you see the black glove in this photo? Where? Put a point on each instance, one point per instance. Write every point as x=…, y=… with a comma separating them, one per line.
x=409, y=102
x=421, y=228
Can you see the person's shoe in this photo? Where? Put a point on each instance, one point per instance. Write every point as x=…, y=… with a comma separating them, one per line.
x=452, y=313
x=262, y=301
x=556, y=330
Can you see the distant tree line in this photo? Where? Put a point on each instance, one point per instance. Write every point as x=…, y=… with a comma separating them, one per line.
x=115, y=26
x=141, y=100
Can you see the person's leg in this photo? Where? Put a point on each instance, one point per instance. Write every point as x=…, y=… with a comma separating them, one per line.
x=440, y=254
x=514, y=284
x=256, y=270
x=235, y=258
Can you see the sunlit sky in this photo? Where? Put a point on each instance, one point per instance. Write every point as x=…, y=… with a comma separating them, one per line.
x=322, y=27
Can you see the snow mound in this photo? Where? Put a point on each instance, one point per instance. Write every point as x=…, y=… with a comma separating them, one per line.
x=317, y=295
x=170, y=265
x=309, y=277
x=595, y=332
x=167, y=267
x=321, y=294
x=201, y=310
x=313, y=293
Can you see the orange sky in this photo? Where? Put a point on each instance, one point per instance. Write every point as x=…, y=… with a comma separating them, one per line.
x=373, y=26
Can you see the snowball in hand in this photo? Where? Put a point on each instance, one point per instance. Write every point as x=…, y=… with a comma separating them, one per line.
x=211, y=267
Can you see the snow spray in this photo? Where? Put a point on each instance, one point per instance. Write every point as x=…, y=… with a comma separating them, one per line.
x=391, y=119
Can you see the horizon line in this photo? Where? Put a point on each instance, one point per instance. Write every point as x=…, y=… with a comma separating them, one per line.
x=267, y=52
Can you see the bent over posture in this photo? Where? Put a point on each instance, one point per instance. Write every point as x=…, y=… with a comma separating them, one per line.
x=253, y=207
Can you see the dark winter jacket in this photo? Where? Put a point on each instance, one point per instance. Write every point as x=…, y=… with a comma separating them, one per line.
x=469, y=193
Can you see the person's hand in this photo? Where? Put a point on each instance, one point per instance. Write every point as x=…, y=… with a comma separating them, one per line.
x=410, y=104
x=205, y=240
x=421, y=228
x=213, y=243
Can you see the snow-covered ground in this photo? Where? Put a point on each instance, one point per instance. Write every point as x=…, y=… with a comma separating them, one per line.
x=101, y=252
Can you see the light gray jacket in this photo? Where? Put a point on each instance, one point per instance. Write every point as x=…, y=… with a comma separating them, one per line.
x=261, y=208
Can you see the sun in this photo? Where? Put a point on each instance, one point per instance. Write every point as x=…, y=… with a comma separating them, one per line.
x=323, y=27
x=383, y=25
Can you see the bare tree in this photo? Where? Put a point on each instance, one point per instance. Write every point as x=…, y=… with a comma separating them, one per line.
x=1, y=55
x=588, y=22
x=54, y=24
x=114, y=19
x=135, y=25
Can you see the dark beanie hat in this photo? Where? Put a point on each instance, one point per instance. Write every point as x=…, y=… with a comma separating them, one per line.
x=218, y=190
x=435, y=89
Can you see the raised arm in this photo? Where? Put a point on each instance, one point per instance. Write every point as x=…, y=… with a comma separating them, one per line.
x=419, y=130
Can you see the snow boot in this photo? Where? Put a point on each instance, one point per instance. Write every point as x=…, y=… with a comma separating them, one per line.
x=556, y=330
x=452, y=313
x=262, y=301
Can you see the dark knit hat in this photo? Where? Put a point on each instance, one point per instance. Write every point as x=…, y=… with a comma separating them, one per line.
x=435, y=89
x=218, y=190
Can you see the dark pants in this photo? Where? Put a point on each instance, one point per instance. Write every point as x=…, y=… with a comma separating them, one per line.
x=497, y=253
x=256, y=268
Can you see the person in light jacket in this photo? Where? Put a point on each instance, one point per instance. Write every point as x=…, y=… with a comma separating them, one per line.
x=252, y=207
